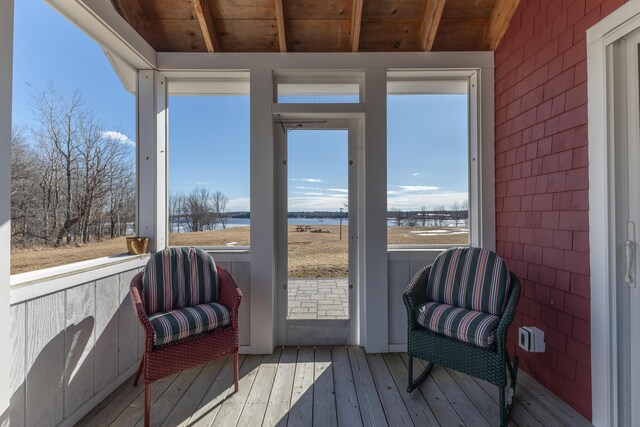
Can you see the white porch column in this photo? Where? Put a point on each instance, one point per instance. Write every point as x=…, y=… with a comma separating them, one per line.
x=6, y=71
x=263, y=208
x=374, y=313
x=152, y=158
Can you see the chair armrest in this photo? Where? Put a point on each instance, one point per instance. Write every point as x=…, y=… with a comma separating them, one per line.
x=416, y=294
x=135, y=291
x=509, y=312
x=230, y=294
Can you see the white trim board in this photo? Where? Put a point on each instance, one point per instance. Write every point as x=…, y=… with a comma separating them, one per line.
x=604, y=369
x=6, y=81
x=190, y=62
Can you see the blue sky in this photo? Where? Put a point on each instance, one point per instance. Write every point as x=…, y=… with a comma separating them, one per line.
x=209, y=136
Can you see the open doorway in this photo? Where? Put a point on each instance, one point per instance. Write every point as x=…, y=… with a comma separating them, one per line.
x=317, y=232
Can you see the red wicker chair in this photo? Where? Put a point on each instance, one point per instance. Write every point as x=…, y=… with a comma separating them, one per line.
x=163, y=360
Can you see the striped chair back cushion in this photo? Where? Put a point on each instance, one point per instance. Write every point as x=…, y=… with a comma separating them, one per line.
x=472, y=278
x=179, y=277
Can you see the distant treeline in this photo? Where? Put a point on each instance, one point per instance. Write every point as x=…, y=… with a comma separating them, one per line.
x=436, y=217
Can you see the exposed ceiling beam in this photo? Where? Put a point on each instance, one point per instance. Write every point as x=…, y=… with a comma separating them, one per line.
x=131, y=11
x=205, y=19
x=499, y=22
x=282, y=38
x=356, y=23
x=430, y=23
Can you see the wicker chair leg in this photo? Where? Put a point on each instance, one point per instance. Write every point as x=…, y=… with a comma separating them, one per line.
x=423, y=375
x=506, y=401
x=235, y=371
x=147, y=404
x=140, y=367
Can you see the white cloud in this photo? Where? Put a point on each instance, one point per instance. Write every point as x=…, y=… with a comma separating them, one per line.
x=415, y=188
x=240, y=204
x=312, y=203
x=417, y=173
x=307, y=179
x=119, y=137
x=338, y=190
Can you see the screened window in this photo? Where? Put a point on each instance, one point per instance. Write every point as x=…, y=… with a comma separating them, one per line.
x=312, y=93
x=73, y=146
x=209, y=171
x=428, y=168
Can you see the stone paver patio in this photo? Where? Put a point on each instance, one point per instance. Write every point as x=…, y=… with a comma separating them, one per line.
x=318, y=299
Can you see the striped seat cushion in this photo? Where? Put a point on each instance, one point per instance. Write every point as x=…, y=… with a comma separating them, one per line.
x=472, y=278
x=179, y=277
x=465, y=325
x=184, y=322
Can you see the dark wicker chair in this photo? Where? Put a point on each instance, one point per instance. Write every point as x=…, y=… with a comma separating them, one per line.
x=489, y=362
x=182, y=352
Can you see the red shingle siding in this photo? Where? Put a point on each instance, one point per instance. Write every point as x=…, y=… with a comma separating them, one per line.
x=542, y=184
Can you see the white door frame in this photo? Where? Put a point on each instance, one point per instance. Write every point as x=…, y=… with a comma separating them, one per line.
x=6, y=81
x=604, y=126
x=311, y=331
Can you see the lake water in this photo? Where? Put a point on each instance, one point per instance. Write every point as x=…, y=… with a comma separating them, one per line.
x=243, y=222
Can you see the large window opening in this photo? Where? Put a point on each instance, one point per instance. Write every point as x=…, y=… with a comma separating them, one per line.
x=73, y=146
x=427, y=164
x=209, y=171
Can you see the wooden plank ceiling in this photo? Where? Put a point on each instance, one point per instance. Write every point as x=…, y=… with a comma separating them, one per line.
x=319, y=25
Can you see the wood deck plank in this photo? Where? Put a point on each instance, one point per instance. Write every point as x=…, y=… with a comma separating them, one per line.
x=162, y=407
x=190, y=400
x=324, y=400
x=220, y=389
x=551, y=401
x=519, y=413
x=418, y=408
x=441, y=407
x=459, y=400
x=135, y=411
x=232, y=406
x=258, y=399
x=478, y=396
x=301, y=411
x=340, y=386
x=394, y=407
x=347, y=407
x=370, y=404
x=280, y=397
x=114, y=405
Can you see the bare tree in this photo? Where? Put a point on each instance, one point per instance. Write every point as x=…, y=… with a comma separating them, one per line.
x=70, y=179
x=455, y=207
x=440, y=215
x=220, y=202
x=423, y=215
x=59, y=119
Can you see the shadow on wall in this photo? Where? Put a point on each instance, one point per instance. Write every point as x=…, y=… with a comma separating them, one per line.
x=54, y=374
x=46, y=383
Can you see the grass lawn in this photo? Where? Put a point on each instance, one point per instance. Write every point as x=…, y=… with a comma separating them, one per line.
x=310, y=254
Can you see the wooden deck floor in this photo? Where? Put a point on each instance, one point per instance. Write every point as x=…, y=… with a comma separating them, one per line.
x=326, y=386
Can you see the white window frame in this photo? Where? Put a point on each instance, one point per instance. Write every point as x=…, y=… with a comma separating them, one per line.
x=481, y=174
x=106, y=39
x=216, y=83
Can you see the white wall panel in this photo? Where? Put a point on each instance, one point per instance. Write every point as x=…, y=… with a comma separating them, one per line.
x=106, y=331
x=18, y=338
x=79, y=346
x=45, y=360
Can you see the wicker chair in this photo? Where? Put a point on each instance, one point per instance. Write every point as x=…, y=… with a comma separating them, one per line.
x=459, y=309
x=188, y=309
